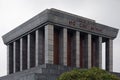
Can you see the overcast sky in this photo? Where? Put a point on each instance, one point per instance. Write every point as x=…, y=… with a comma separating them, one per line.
x=15, y=12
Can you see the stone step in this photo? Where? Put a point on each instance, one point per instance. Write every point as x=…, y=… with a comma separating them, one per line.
x=52, y=71
x=46, y=77
x=45, y=69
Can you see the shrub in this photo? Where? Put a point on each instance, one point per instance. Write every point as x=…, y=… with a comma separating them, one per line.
x=88, y=74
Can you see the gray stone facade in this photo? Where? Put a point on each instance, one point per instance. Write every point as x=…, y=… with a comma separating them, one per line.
x=57, y=39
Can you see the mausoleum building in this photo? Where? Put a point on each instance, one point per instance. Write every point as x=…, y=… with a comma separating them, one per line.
x=57, y=38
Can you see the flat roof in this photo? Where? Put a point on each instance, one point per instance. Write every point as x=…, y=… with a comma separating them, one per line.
x=64, y=19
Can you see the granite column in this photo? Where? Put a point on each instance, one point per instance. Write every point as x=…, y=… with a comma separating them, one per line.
x=109, y=55
x=49, y=36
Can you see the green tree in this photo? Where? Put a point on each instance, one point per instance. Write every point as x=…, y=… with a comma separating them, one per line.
x=88, y=74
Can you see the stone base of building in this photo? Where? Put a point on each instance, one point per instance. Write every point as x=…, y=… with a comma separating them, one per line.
x=42, y=72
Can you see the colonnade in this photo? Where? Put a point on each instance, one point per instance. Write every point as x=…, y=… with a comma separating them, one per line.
x=61, y=46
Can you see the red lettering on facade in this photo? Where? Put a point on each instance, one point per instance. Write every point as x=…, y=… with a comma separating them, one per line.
x=72, y=23
x=84, y=24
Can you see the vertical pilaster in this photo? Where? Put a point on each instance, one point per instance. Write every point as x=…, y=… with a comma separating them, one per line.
x=100, y=52
x=28, y=51
x=21, y=54
x=109, y=55
x=8, y=59
x=49, y=31
x=77, y=46
x=89, y=50
x=64, y=46
x=17, y=55
x=39, y=48
x=14, y=57
x=31, y=50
